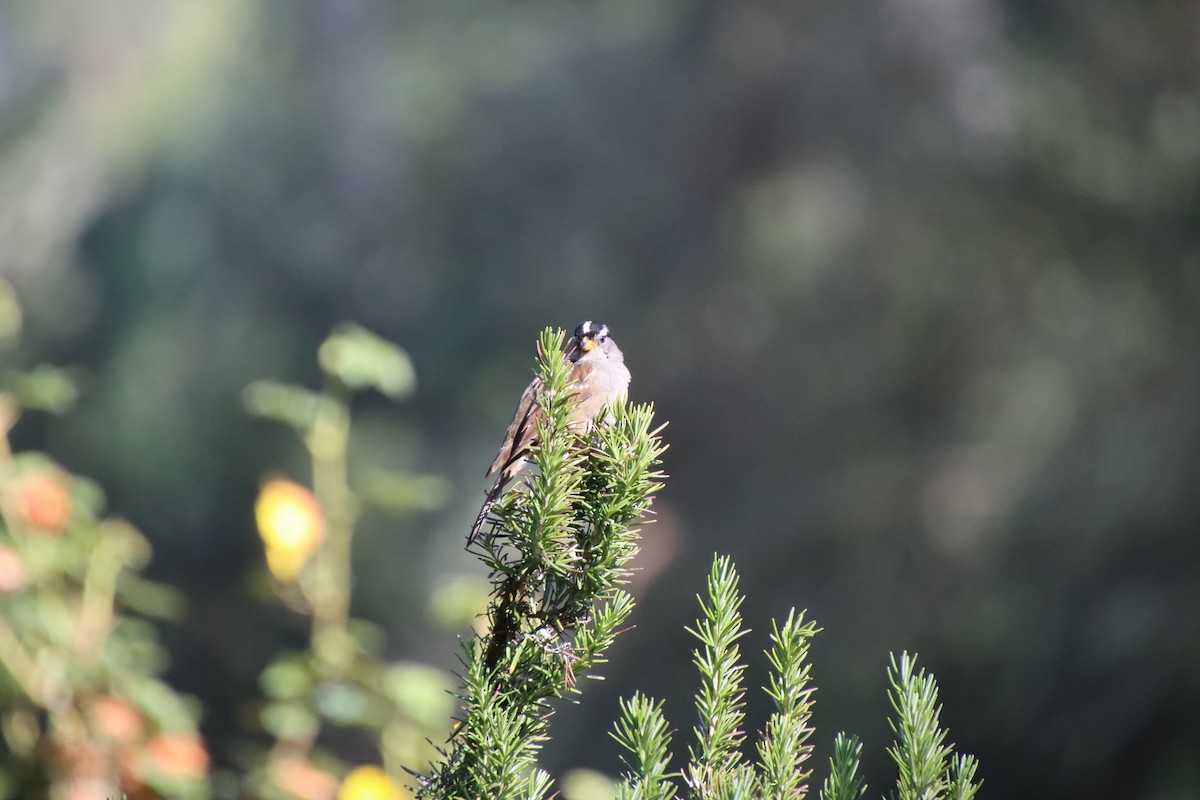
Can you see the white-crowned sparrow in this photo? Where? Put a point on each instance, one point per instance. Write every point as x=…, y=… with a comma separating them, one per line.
x=599, y=378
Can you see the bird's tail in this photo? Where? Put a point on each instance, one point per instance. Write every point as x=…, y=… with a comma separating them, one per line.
x=488, y=502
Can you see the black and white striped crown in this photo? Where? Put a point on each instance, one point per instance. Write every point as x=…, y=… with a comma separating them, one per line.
x=595, y=330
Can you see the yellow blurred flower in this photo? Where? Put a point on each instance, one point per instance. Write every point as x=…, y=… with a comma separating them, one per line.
x=291, y=525
x=370, y=783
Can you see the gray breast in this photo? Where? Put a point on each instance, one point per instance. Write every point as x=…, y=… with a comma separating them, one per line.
x=606, y=383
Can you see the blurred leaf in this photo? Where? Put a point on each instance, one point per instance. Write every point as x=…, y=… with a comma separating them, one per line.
x=10, y=315
x=283, y=402
x=288, y=678
x=10, y=411
x=404, y=493
x=169, y=710
x=135, y=550
x=133, y=648
x=459, y=599
x=344, y=704
x=369, y=637
x=47, y=559
x=88, y=502
x=420, y=692
x=586, y=784
x=334, y=646
x=56, y=616
x=152, y=599
x=45, y=388
x=22, y=730
x=362, y=360
x=9, y=783
x=289, y=721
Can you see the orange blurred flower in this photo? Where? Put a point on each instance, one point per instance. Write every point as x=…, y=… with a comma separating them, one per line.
x=370, y=783
x=179, y=755
x=43, y=501
x=12, y=571
x=298, y=777
x=291, y=525
x=117, y=719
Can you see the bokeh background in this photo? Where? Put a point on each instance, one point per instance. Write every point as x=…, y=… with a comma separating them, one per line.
x=915, y=282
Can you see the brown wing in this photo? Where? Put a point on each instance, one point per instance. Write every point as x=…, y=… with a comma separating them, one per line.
x=520, y=434
x=517, y=440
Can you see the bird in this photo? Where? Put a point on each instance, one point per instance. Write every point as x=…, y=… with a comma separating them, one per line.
x=599, y=378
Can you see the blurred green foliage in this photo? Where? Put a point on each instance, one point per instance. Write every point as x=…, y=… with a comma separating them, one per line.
x=916, y=283
x=719, y=766
x=83, y=711
x=341, y=684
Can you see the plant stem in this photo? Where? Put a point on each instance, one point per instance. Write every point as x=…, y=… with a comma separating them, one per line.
x=328, y=441
x=99, y=594
x=21, y=666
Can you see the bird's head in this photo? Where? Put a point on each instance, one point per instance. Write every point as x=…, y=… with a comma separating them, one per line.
x=588, y=336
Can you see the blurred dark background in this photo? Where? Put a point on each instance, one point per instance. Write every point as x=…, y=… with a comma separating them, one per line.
x=916, y=283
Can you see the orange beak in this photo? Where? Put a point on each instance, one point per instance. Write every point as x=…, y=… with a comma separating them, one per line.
x=587, y=344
